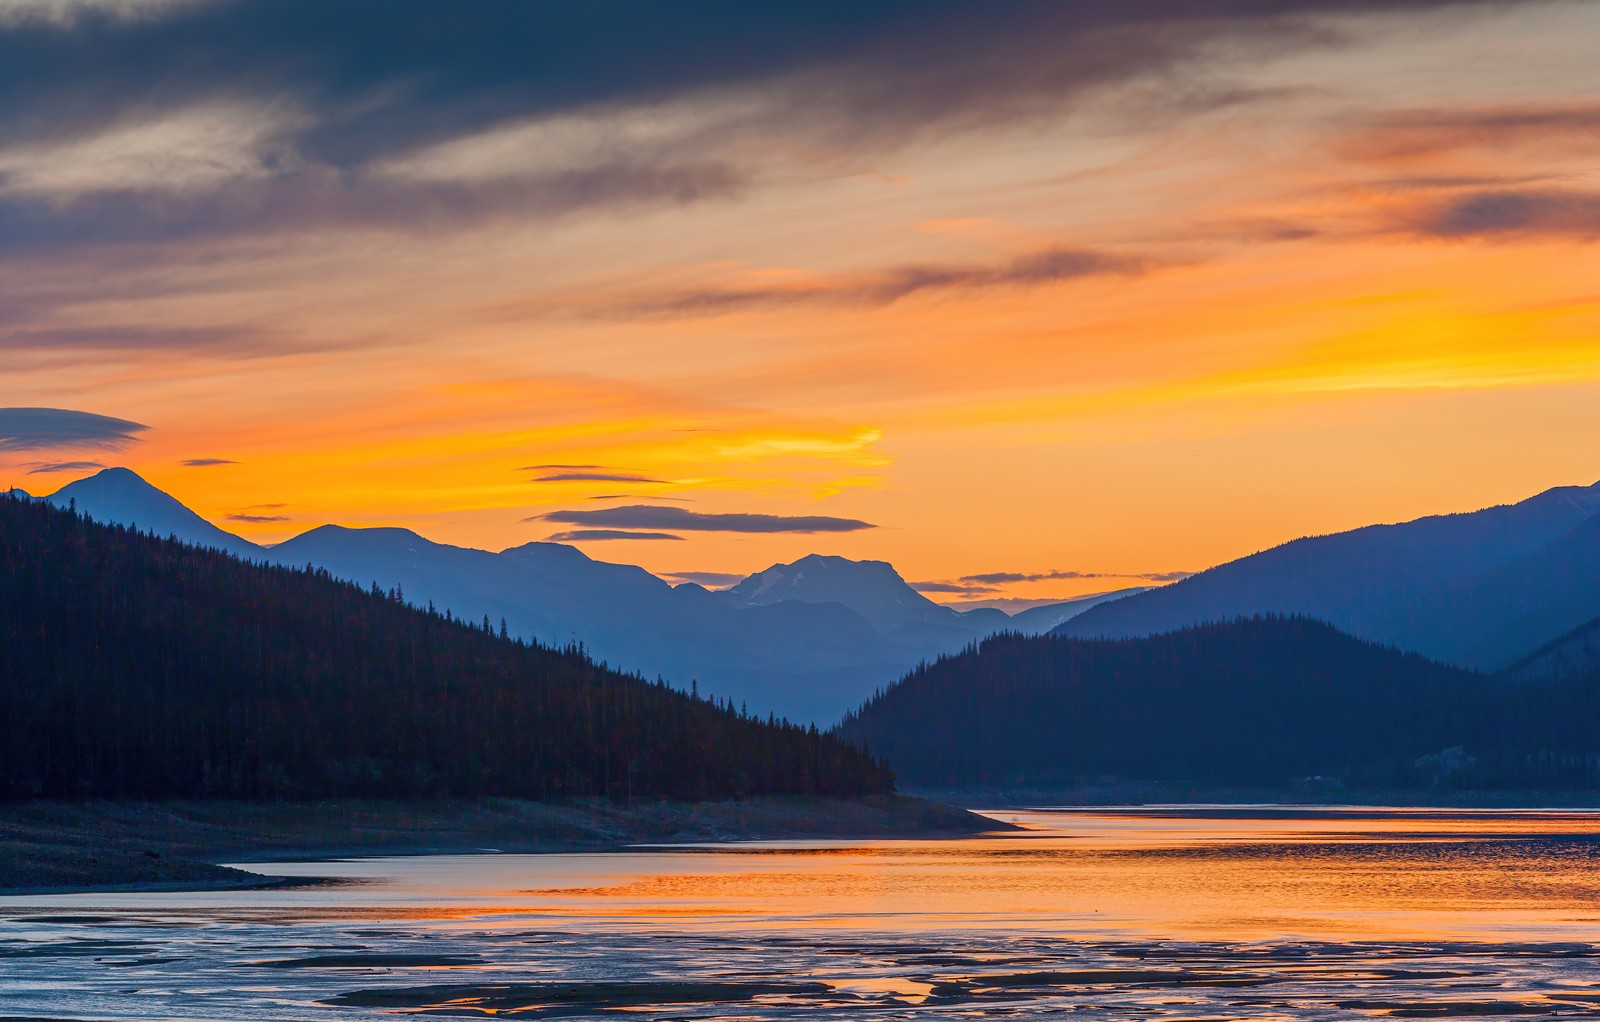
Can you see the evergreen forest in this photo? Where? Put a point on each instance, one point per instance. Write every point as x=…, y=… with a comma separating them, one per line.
x=138, y=667
x=1266, y=701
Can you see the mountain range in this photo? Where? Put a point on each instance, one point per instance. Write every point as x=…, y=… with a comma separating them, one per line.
x=808, y=640
x=137, y=667
x=1481, y=590
x=1513, y=586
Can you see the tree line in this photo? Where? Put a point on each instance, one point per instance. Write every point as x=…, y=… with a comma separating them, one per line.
x=138, y=667
x=1260, y=701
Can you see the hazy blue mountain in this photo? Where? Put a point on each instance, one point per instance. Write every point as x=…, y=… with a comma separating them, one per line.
x=1575, y=654
x=1038, y=620
x=1496, y=617
x=808, y=640
x=117, y=496
x=872, y=589
x=1478, y=589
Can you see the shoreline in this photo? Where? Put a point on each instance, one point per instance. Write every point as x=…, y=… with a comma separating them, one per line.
x=1151, y=796
x=101, y=847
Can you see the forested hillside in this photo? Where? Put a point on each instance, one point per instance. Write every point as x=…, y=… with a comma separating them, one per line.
x=1264, y=701
x=138, y=667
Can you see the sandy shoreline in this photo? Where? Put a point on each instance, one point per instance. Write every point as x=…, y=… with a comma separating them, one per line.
x=57, y=847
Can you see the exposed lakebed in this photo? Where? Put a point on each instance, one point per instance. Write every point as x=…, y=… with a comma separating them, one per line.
x=1182, y=914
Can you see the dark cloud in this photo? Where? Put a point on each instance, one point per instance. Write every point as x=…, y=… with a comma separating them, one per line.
x=645, y=516
x=597, y=477
x=372, y=80
x=1036, y=269
x=994, y=578
x=709, y=579
x=1512, y=214
x=39, y=467
x=206, y=462
x=322, y=198
x=580, y=535
x=956, y=588
x=33, y=429
x=259, y=519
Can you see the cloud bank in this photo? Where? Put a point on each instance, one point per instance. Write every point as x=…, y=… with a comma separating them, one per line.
x=32, y=429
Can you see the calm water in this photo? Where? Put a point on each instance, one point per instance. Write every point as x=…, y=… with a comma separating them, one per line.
x=1179, y=913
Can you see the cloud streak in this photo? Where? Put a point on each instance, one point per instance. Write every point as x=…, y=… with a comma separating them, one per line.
x=206, y=462
x=1511, y=214
x=584, y=535
x=42, y=467
x=646, y=516
x=869, y=290
x=597, y=477
x=32, y=429
x=259, y=519
x=1003, y=578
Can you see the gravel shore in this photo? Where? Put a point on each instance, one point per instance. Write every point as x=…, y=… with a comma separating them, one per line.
x=67, y=846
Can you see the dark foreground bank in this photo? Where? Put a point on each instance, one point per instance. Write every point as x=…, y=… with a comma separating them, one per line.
x=60, y=846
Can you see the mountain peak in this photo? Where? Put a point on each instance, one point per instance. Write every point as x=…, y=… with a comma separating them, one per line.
x=872, y=589
x=120, y=496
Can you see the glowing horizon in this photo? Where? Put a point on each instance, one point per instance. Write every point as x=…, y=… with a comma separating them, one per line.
x=1075, y=292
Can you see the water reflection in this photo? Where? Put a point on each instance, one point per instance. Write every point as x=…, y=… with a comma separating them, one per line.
x=1181, y=912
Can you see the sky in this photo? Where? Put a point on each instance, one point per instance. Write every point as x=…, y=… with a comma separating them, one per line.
x=1030, y=299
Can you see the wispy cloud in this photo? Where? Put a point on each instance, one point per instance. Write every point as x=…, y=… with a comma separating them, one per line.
x=645, y=516
x=998, y=578
x=583, y=535
x=1414, y=134
x=206, y=462
x=31, y=429
x=953, y=588
x=115, y=132
x=40, y=467
x=597, y=477
x=1036, y=269
x=259, y=519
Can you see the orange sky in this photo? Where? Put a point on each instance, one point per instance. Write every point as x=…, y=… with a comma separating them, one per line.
x=1128, y=333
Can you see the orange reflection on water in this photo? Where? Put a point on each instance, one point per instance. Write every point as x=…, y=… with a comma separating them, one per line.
x=1186, y=873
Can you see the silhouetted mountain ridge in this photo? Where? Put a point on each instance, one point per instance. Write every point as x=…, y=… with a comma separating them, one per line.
x=840, y=629
x=132, y=666
x=1261, y=701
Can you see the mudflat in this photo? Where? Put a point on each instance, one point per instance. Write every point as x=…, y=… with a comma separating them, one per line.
x=64, y=846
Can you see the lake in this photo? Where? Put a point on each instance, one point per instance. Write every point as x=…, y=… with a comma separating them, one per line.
x=1149, y=913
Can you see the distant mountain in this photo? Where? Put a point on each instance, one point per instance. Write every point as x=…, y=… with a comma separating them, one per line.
x=872, y=589
x=138, y=667
x=1573, y=655
x=1477, y=589
x=118, y=496
x=807, y=640
x=1264, y=701
x=1038, y=620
